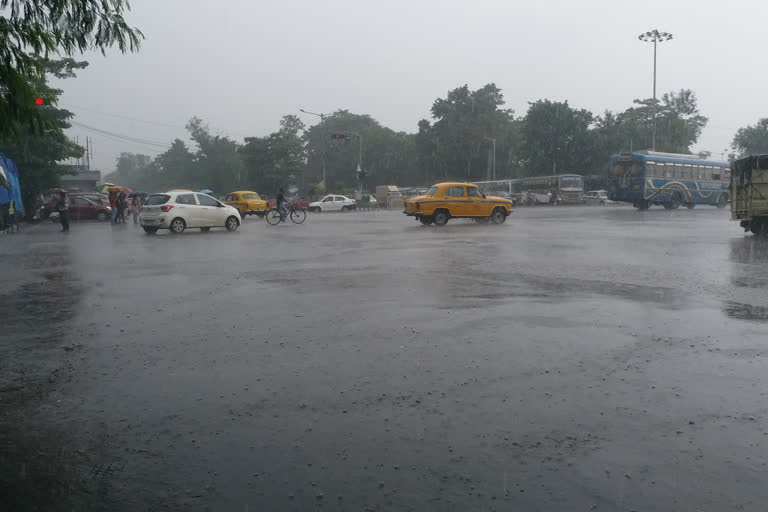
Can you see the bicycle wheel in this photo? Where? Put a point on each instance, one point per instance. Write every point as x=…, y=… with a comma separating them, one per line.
x=298, y=216
x=273, y=217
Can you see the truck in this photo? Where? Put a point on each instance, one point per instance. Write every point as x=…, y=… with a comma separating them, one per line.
x=389, y=196
x=749, y=193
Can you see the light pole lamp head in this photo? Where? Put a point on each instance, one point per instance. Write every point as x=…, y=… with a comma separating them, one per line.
x=654, y=36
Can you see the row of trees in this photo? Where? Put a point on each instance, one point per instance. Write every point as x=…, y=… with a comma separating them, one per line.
x=457, y=142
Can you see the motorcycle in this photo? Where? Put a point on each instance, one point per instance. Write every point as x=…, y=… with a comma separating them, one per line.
x=555, y=199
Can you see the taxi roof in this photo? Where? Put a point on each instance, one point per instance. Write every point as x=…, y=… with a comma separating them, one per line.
x=243, y=192
x=454, y=184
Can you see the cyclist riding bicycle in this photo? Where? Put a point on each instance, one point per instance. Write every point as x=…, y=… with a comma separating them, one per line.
x=282, y=205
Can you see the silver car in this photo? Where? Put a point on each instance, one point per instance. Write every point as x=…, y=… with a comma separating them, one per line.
x=597, y=198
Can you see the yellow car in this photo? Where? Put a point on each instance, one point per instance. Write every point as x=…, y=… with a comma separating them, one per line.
x=247, y=202
x=457, y=200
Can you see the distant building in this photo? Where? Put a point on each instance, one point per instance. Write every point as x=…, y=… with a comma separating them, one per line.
x=84, y=181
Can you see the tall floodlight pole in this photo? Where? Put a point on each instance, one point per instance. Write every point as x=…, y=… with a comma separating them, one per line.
x=493, y=165
x=322, y=138
x=655, y=37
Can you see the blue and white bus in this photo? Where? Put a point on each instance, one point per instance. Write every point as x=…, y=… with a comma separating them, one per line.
x=644, y=178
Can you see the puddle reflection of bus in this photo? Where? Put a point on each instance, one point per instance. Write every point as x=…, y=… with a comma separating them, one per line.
x=570, y=188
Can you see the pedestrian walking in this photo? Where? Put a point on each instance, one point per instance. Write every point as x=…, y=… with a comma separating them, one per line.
x=135, y=207
x=113, y=205
x=62, y=206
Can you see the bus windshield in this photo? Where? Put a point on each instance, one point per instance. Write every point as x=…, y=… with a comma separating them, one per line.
x=571, y=182
x=629, y=169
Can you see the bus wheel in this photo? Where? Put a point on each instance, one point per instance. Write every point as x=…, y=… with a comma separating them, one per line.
x=690, y=206
x=675, y=202
x=643, y=204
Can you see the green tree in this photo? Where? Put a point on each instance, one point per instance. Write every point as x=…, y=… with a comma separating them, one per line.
x=459, y=140
x=133, y=170
x=558, y=138
x=277, y=160
x=174, y=168
x=388, y=157
x=39, y=150
x=31, y=28
x=751, y=139
x=218, y=164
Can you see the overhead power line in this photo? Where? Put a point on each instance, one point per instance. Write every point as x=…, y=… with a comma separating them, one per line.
x=121, y=137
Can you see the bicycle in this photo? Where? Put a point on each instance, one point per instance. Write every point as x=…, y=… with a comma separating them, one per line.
x=274, y=217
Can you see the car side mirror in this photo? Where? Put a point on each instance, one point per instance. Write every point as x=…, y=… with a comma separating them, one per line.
x=483, y=196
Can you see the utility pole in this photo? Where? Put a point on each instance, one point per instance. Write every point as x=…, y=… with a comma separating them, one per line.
x=493, y=165
x=655, y=37
x=322, y=139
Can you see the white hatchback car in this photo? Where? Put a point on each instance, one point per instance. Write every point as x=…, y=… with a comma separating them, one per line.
x=333, y=203
x=178, y=211
x=597, y=197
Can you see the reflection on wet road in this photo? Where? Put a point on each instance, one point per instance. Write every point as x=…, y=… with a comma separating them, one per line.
x=572, y=359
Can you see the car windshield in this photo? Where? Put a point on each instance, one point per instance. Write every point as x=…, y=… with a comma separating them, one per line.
x=157, y=199
x=431, y=191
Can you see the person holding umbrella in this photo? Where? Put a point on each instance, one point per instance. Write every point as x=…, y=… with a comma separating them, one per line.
x=62, y=205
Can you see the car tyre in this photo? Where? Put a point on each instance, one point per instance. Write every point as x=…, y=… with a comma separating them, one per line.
x=149, y=230
x=441, y=217
x=232, y=223
x=498, y=216
x=345, y=208
x=178, y=226
x=102, y=216
x=426, y=220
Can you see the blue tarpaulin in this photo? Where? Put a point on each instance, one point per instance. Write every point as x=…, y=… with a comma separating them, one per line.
x=12, y=176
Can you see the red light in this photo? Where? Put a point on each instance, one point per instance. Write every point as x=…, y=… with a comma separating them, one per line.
x=39, y=101
x=167, y=207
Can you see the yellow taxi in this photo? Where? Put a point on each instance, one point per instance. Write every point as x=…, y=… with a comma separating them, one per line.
x=247, y=202
x=457, y=200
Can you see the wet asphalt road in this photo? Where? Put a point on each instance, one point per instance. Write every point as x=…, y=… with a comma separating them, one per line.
x=574, y=358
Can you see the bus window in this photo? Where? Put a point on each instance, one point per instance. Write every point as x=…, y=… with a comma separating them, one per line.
x=666, y=169
x=716, y=174
x=650, y=169
x=678, y=171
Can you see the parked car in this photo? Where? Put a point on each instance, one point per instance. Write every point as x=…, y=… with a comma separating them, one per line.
x=83, y=208
x=597, y=197
x=178, y=211
x=333, y=203
x=96, y=197
x=444, y=201
x=247, y=202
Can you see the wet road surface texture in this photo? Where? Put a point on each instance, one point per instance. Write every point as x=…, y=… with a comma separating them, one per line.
x=571, y=359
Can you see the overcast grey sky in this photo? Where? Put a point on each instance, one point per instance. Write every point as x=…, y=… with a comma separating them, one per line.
x=242, y=64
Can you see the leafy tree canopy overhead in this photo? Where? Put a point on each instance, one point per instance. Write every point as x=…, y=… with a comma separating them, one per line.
x=33, y=28
x=752, y=139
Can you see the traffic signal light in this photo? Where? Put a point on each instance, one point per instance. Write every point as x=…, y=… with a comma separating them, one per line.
x=340, y=136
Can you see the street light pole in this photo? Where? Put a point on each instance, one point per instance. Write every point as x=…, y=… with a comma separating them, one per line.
x=322, y=138
x=655, y=37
